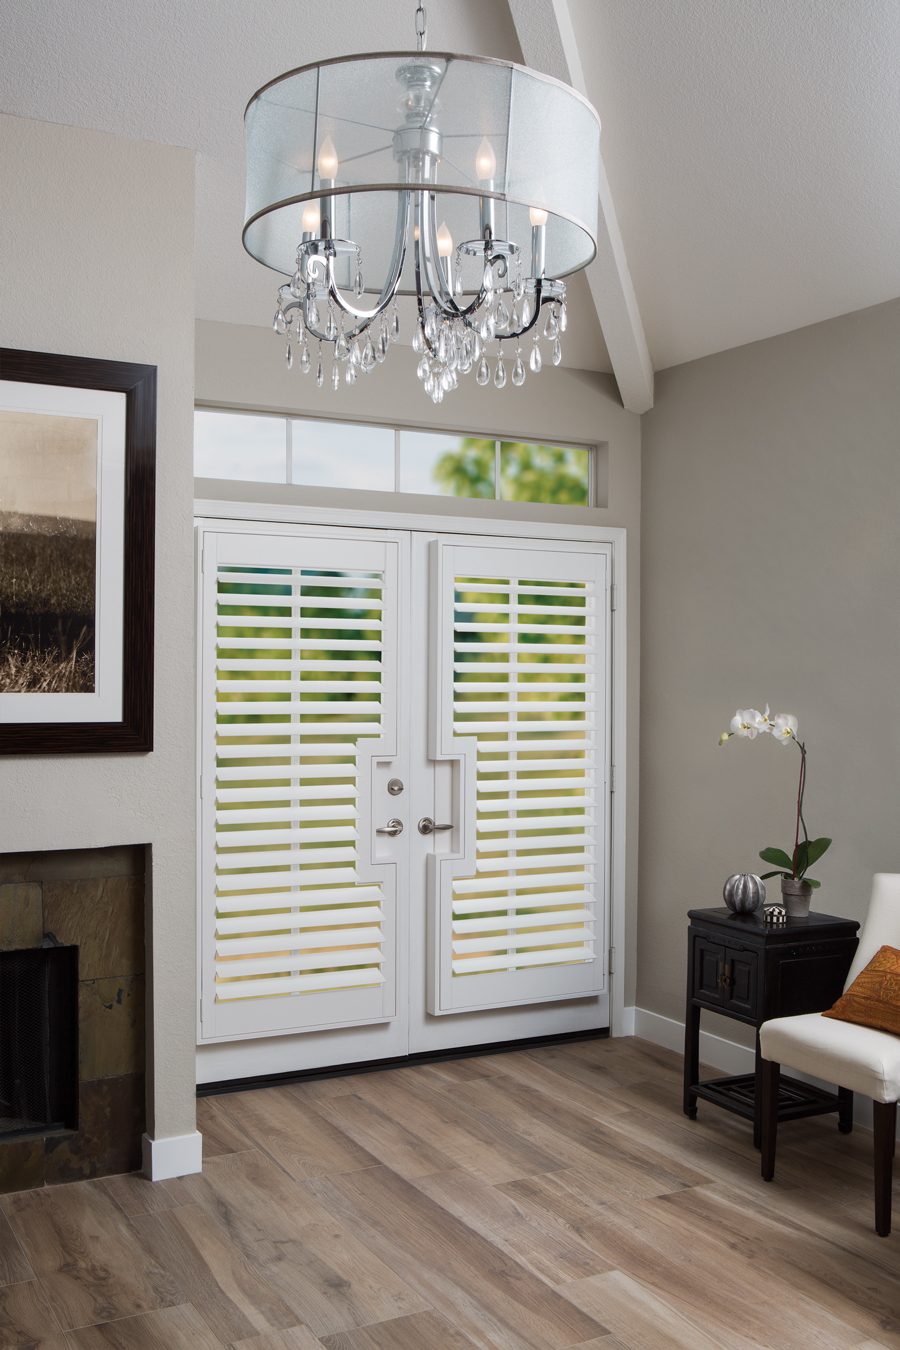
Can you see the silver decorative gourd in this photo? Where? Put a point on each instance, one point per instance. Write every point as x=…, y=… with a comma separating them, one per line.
x=744, y=892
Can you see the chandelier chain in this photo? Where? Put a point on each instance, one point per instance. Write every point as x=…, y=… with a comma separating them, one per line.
x=421, y=28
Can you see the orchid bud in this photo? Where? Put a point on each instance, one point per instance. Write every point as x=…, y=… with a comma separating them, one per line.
x=724, y=737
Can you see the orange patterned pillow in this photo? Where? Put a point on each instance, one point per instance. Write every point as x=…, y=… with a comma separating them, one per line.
x=873, y=999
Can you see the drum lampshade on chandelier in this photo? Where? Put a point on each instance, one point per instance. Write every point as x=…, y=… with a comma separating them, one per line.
x=468, y=182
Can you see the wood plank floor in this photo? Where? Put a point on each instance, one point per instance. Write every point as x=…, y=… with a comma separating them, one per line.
x=536, y=1200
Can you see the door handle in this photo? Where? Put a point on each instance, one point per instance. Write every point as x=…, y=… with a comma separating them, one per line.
x=724, y=977
x=427, y=826
x=392, y=827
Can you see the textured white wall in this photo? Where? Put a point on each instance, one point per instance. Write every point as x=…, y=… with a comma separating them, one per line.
x=771, y=570
x=98, y=261
x=244, y=367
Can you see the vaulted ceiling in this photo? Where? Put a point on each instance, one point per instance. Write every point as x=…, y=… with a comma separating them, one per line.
x=751, y=151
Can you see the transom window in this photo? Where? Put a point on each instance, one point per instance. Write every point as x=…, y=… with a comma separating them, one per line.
x=267, y=448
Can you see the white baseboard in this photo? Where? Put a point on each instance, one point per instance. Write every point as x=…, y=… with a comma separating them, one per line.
x=178, y=1157
x=727, y=1055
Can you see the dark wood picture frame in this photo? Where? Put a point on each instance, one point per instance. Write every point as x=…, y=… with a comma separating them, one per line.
x=138, y=383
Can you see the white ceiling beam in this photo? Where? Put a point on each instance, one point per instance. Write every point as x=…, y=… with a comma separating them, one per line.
x=547, y=39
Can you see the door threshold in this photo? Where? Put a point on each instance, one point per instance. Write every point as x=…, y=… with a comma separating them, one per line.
x=227, y=1085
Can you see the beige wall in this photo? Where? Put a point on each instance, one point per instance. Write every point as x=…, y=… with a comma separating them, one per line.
x=771, y=571
x=97, y=248
x=244, y=367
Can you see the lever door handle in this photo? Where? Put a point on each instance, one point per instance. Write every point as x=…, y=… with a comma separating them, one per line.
x=392, y=827
x=427, y=826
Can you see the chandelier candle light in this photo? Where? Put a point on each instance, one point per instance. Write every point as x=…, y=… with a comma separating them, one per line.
x=796, y=886
x=400, y=153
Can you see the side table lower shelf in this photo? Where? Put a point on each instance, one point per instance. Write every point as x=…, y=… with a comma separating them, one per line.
x=796, y=1100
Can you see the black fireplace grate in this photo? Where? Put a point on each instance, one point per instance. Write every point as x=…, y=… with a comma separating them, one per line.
x=38, y=1040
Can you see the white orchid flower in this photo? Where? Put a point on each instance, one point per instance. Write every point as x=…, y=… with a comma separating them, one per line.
x=784, y=727
x=746, y=723
x=764, y=721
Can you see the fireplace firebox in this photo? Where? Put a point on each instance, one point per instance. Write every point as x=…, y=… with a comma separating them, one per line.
x=38, y=1040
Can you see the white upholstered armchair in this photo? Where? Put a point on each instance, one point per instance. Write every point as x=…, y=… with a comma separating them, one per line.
x=852, y=1056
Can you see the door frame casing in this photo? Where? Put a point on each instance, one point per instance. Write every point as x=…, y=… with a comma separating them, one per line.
x=220, y=515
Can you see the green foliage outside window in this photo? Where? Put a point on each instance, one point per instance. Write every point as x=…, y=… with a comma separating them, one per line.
x=528, y=472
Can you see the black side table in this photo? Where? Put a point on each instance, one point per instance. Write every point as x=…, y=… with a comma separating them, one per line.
x=739, y=966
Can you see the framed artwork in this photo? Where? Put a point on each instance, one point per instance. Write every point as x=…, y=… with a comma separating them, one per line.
x=77, y=506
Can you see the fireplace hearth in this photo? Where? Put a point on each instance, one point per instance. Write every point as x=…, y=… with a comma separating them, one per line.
x=38, y=1040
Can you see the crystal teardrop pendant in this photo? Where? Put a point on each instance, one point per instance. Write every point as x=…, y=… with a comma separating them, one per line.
x=443, y=347
x=331, y=326
x=518, y=371
x=320, y=374
x=535, y=359
x=355, y=354
x=342, y=346
x=465, y=362
x=482, y=374
x=429, y=382
x=368, y=358
x=557, y=352
x=289, y=355
x=358, y=283
x=312, y=313
x=381, y=347
x=350, y=373
x=423, y=369
x=297, y=285
x=526, y=311
x=475, y=346
x=305, y=362
x=395, y=326
x=418, y=342
x=551, y=326
x=500, y=373
x=457, y=285
x=502, y=316
x=438, y=394
x=518, y=287
x=446, y=379
x=487, y=280
x=335, y=375
x=487, y=327
x=563, y=317
x=279, y=323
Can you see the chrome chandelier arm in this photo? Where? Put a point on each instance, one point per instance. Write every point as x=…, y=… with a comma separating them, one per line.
x=325, y=263
x=438, y=286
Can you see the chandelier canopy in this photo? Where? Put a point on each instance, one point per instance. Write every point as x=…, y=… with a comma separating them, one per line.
x=468, y=182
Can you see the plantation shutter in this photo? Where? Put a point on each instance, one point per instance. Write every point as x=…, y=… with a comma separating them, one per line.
x=521, y=660
x=300, y=691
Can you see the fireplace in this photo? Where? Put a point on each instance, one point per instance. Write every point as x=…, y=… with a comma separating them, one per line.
x=71, y=1015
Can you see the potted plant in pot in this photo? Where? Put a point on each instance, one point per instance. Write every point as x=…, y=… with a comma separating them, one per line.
x=796, y=886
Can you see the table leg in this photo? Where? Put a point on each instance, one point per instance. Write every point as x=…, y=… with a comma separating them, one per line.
x=757, y=1097
x=845, y=1110
x=691, y=1058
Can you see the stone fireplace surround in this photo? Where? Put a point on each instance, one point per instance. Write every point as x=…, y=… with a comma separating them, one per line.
x=92, y=898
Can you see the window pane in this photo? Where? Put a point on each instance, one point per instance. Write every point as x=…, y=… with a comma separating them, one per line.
x=236, y=445
x=455, y=466
x=343, y=455
x=544, y=473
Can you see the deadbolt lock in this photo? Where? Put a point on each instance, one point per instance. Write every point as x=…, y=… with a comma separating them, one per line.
x=395, y=787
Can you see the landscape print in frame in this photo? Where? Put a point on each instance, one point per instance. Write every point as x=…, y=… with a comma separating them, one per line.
x=77, y=488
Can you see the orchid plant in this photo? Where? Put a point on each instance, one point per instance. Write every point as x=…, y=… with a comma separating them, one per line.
x=749, y=723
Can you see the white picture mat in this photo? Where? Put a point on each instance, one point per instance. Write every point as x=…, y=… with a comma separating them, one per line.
x=104, y=704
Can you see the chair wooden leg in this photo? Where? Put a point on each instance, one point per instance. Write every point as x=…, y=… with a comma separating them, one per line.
x=771, y=1075
x=845, y=1110
x=885, y=1129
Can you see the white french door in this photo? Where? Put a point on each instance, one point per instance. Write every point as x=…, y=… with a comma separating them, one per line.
x=405, y=824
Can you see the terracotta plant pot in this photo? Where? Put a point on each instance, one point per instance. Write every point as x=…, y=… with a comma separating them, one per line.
x=796, y=895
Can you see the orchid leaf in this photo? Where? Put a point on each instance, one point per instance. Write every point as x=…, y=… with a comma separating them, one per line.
x=777, y=856
x=765, y=876
x=814, y=884
x=816, y=848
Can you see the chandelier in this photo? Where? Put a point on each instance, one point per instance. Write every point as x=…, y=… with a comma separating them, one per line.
x=363, y=171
